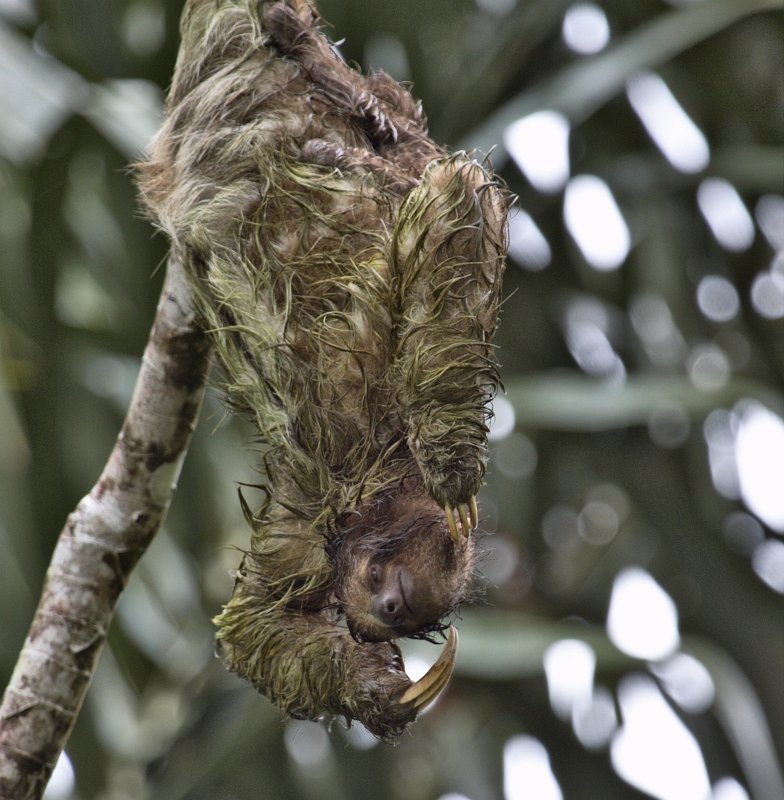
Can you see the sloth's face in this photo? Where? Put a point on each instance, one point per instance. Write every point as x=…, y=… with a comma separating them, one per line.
x=403, y=575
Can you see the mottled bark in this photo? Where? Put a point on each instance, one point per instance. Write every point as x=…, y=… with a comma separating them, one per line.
x=101, y=542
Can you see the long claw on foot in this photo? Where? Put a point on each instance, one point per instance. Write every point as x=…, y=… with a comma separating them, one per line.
x=466, y=525
x=474, y=512
x=450, y=521
x=427, y=688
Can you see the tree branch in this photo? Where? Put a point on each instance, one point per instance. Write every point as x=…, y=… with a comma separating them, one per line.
x=100, y=544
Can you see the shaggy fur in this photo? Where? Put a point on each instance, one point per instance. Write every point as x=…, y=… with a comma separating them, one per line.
x=349, y=272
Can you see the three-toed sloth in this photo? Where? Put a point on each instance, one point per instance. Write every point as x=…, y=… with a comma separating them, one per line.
x=349, y=272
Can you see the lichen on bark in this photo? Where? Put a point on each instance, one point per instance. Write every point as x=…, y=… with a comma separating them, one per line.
x=100, y=544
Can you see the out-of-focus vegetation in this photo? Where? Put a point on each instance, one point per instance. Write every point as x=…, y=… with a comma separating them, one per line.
x=631, y=643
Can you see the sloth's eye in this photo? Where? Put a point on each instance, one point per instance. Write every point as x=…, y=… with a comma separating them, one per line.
x=374, y=573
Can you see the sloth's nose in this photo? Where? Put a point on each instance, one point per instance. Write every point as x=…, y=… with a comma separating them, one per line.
x=390, y=609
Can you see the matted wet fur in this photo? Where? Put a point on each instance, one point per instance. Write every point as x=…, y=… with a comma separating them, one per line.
x=349, y=272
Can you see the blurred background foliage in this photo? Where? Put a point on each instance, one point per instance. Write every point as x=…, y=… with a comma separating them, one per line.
x=631, y=642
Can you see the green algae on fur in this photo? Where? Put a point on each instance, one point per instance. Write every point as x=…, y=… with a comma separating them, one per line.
x=348, y=270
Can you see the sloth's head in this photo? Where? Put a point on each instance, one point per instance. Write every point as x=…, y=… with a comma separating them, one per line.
x=398, y=569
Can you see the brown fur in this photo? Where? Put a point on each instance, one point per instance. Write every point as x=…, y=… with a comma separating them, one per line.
x=349, y=271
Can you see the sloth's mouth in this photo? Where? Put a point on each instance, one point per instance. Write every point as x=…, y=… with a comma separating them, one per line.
x=463, y=516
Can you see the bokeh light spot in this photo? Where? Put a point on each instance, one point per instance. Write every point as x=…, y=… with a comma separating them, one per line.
x=63, y=780
x=527, y=771
x=613, y=496
x=143, y=27
x=681, y=142
x=759, y=450
x=719, y=429
x=359, y=737
x=768, y=563
x=595, y=722
x=307, y=744
x=767, y=294
x=596, y=223
x=728, y=789
x=569, y=667
x=687, y=682
x=717, y=298
x=642, y=620
x=539, y=145
x=503, y=420
x=769, y=213
x=515, y=457
x=598, y=523
x=653, y=750
x=726, y=214
x=527, y=245
x=708, y=367
x=585, y=28
x=586, y=323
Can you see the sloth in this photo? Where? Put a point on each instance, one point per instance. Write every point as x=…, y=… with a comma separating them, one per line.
x=348, y=270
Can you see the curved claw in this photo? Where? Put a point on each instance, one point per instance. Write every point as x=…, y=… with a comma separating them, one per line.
x=427, y=688
x=463, y=511
x=450, y=521
x=467, y=516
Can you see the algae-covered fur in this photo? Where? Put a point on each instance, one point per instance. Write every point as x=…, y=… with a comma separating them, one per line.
x=348, y=270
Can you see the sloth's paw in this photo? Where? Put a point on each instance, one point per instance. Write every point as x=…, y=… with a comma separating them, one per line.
x=452, y=463
x=383, y=698
x=452, y=478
